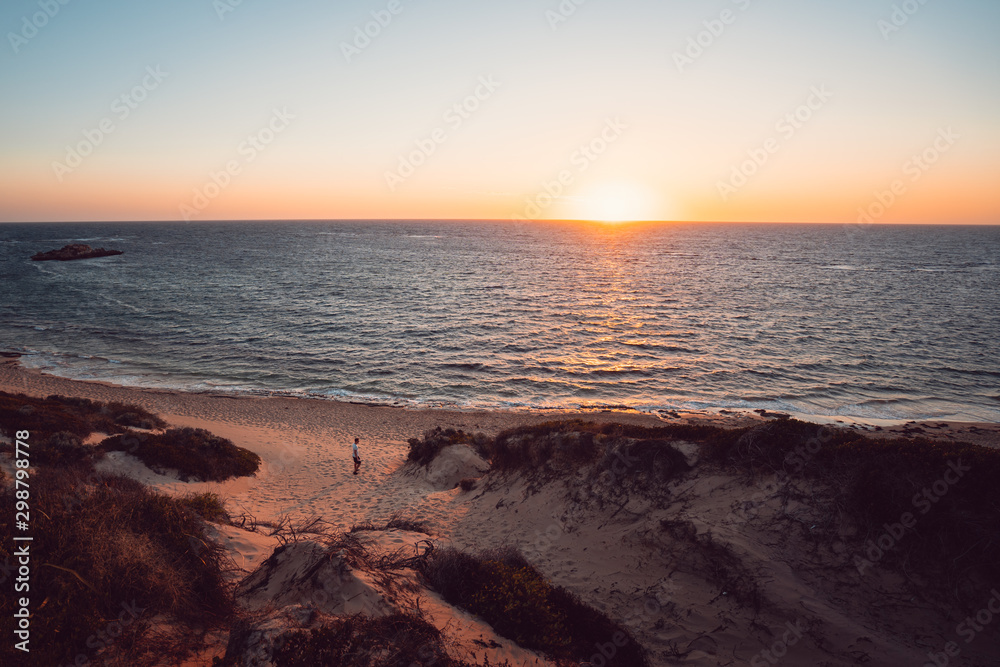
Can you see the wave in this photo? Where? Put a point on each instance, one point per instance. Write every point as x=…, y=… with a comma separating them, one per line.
x=280, y=308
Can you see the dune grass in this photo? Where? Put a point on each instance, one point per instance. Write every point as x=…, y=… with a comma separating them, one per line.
x=396, y=521
x=503, y=589
x=873, y=482
x=877, y=481
x=113, y=552
x=209, y=506
x=58, y=426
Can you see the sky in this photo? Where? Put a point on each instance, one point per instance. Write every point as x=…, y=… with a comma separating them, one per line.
x=869, y=111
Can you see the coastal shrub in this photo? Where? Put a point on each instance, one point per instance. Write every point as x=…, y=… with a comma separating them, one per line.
x=39, y=417
x=645, y=464
x=423, y=450
x=109, y=557
x=192, y=452
x=360, y=641
x=355, y=641
x=78, y=416
x=61, y=449
x=109, y=417
x=950, y=489
x=508, y=593
x=537, y=450
x=575, y=442
x=764, y=448
x=467, y=484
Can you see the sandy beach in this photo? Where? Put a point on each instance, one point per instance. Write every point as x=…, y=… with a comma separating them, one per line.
x=615, y=558
x=305, y=444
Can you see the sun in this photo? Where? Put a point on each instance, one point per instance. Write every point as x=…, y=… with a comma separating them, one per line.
x=617, y=202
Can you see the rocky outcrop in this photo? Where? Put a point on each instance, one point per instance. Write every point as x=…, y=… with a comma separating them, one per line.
x=73, y=251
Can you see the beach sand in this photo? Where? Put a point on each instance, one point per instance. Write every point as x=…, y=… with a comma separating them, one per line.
x=616, y=558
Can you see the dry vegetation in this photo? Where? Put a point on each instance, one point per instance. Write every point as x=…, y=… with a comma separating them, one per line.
x=503, y=589
x=109, y=541
x=109, y=546
x=193, y=452
x=122, y=572
x=867, y=482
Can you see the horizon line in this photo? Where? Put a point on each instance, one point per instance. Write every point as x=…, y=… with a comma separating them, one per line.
x=610, y=223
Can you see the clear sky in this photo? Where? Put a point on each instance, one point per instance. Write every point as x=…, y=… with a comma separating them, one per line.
x=755, y=110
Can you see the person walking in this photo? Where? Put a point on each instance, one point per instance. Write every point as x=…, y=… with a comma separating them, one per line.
x=356, y=456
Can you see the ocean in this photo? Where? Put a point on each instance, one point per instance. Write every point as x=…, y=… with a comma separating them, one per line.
x=844, y=321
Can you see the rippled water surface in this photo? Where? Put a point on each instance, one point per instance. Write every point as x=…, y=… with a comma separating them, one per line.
x=869, y=322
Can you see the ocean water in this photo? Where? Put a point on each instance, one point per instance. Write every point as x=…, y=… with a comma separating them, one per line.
x=865, y=322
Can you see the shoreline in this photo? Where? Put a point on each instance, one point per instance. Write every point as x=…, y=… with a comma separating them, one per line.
x=15, y=378
x=844, y=413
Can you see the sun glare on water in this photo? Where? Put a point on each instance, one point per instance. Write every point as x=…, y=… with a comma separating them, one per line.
x=618, y=202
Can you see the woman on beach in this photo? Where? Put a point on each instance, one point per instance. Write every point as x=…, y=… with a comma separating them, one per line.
x=354, y=454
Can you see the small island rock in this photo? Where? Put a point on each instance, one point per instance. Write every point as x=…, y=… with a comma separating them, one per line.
x=73, y=251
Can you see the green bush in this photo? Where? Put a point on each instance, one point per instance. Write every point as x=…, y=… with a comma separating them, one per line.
x=109, y=417
x=194, y=453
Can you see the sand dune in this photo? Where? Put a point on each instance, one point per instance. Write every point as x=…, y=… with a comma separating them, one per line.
x=712, y=571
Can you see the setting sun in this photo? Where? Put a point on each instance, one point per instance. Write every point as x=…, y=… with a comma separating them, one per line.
x=618, y=202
